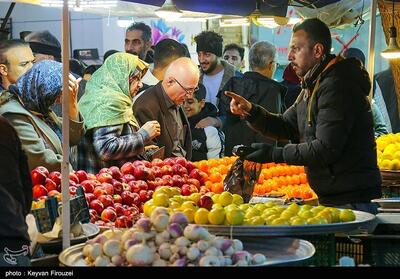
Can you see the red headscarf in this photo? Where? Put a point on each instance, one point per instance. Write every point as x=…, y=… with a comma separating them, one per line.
x=290, y=75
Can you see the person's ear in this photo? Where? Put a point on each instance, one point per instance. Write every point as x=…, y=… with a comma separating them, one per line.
x=202, y=103
x=148, y=45
x=318, y=50
x=3, y=70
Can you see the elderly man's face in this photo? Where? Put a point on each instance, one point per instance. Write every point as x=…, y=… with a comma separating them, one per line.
x=135, y=44
x=20, y=60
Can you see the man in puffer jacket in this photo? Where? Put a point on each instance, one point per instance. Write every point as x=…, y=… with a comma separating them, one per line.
x=330, y=125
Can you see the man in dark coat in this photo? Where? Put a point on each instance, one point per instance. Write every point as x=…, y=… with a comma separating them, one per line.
x=330, y=125
x=15, y=198
x=163, y=101
x=258, y=87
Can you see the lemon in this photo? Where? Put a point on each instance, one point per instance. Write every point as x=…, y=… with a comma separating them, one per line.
x=335, y=214
x=287, y=214
x=225, y=198
x=260, y=207
x=235, y=217
x=163, y=189
x=271, y=218
x=189, y=204
x=217, y=205
x=297, y=221
x=347, y=215
x=201, y=216
x=216, y=216
x=215, y=198
x=148, y=207
x=189, y=213
x=305, y=214
x=237, y=199
x=230, y=207
x=257, y=221
x=252, y=212
x=294, y=207
x=161, y=199
x=244, y=206
x=280, y=222
x=195, y=197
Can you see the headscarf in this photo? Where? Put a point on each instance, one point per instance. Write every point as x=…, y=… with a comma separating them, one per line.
x=107, y=100
x=39, y=88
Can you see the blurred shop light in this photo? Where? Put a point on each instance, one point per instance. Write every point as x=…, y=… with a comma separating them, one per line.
x=168, y=11
x=80, y=4
x=124, y=22
x=393, y=50
x=233, y=22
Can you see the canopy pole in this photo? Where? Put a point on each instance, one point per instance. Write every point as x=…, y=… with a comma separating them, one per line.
x=65, y=129
x=371, y=44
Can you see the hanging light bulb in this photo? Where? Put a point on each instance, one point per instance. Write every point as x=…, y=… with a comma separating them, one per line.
x=393, y=50
x=168, y=11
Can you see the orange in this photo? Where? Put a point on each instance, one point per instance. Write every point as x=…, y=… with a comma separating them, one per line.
x=303, y=178
x=260, y=178
x=217, y=188
x=215, y=177
x=203, y=165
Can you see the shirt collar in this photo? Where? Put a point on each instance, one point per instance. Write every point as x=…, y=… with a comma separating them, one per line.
x=170, y=104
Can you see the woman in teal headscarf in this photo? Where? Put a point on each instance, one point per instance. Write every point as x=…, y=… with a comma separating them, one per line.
x=113, y=135
x=26, y=105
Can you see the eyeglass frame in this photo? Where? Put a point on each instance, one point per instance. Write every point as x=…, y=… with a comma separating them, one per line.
x=188, y=91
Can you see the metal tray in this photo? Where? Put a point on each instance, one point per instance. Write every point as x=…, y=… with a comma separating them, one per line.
x=278, y=251
x=392, y=203
x=55, y=246
x=363, y=222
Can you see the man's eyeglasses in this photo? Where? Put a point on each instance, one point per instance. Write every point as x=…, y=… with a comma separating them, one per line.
x=189, y=91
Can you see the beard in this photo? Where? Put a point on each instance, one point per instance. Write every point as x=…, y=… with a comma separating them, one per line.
x=140, y=54
x=211, y=68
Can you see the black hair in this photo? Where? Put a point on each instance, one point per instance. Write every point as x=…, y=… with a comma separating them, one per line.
x=200, y=94
x=317, y=31
x=109, y=53
x=237, y=47
x=9, y=44
x=166, y=50
x=146, y=30
x=356, y=53
x=187, y=52
x=91, y=69
x=209, y=41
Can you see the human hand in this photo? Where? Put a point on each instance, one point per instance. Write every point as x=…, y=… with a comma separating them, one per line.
x=73, y=86
x=152, y=128
x=262, y=154
x=150, y=147
x=208, y=121
x=239, y=105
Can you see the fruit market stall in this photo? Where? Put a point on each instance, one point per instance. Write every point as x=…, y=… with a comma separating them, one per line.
x=169, y=240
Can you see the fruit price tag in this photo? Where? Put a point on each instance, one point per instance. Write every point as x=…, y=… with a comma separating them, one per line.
x=258, y=199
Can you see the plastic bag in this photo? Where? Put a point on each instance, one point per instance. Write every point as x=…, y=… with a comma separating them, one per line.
x=242, y=177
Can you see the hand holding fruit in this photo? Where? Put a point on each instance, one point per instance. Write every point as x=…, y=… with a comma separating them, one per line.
x=152, y=128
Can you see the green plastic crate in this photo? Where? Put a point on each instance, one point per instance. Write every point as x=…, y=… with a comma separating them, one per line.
x=374, y=250
x=325, y=250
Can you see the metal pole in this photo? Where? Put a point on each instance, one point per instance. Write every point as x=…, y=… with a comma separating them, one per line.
x=371, y=44
x=65, y=129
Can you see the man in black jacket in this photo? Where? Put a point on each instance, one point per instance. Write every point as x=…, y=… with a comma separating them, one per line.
x=330, y=125
x=15, y=198
x=257, y=86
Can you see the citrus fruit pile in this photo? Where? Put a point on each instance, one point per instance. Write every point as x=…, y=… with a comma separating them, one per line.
x=388, y=151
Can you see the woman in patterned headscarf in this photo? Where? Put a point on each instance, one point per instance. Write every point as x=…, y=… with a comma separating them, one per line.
x=26, y=105
x=113, y=136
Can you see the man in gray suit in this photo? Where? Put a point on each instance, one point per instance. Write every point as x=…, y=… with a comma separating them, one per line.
x=163, y=102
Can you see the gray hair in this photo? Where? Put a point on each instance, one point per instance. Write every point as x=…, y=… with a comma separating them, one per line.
x=261, y=54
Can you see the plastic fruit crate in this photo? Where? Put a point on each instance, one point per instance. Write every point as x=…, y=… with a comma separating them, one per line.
x=325, y=250
x=374, y=250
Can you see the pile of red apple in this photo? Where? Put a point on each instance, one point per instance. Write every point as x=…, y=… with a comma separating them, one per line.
x=116, y=196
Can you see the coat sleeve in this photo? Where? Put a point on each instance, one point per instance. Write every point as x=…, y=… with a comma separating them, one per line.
x=76, y=131
x=379, y=123
x=110, y=145
x=334, y=121
x=213, y=142
x=33, y=145
x=280, y=127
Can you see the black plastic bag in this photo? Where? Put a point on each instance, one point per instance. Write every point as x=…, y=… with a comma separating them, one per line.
x=242, y=177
